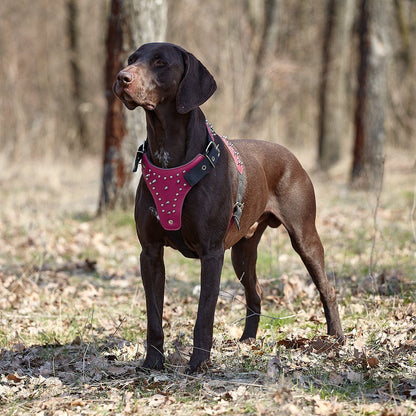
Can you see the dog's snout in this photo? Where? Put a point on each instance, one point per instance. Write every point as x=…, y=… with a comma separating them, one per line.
x=125, y=77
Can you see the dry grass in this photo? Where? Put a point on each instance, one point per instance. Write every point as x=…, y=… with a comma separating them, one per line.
x=72, y=316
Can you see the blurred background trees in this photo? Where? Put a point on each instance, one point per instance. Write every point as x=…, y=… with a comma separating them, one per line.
x=287, y=71
x=333, y=88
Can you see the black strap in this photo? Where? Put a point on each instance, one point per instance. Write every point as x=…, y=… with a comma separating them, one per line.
x=239, y=205
x=212, y=154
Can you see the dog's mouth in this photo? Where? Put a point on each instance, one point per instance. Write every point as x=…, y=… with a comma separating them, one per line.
x=130, y=100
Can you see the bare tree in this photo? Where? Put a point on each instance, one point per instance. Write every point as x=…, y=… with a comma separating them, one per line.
x=259, y=90
x=74, y=60
x=333, y=120
x=368, y=154
x=131, y=23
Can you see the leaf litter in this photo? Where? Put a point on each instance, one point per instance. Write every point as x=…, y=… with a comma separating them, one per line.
x=72, y=317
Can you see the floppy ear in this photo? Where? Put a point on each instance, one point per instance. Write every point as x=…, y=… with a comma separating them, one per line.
x=197, y=84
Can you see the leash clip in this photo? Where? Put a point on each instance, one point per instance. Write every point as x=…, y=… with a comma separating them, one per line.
x=139, y=155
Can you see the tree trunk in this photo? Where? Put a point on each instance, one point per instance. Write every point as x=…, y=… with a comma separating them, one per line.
x=256, y=111
x=147, y=22
x=131, y=23
x=74, y=58
x=368, y=154
x=333, y=121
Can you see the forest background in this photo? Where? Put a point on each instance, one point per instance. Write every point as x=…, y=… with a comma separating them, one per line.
x=41, y=108
x=72, y=316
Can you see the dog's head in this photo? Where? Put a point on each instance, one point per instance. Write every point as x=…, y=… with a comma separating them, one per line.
x=162, y=72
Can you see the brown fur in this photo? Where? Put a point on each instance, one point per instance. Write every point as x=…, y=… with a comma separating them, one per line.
x=170, y=84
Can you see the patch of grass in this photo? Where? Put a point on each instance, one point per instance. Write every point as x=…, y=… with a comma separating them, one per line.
x=274, y=321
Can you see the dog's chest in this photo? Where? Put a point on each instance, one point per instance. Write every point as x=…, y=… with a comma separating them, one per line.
x=169, y=189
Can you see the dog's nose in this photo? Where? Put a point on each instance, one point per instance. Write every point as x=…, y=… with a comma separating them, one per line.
x=125, y=77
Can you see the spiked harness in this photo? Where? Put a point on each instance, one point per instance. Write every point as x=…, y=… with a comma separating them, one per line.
x=169, y=187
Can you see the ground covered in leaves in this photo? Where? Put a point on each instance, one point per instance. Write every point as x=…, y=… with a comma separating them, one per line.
x=72, y=312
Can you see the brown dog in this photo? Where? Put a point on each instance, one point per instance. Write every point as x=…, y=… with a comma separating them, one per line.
x=233, y=192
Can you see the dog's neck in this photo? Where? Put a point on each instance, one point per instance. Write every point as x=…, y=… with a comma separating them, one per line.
x=174, y=139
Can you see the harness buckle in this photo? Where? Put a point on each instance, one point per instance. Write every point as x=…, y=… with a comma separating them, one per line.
x=212, y=159
x=237, y=212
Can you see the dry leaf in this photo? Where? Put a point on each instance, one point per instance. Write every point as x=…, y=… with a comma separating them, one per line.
x=274, y=368
x=354, y=377
x=78, y=402
x=14, y=378
x=156, y=400
x=372, y=362
x=395, y=411
x=336, y=379
x=324, y=407
x=18, y=347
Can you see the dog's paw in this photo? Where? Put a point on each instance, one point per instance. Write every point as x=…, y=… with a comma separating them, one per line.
x=336, y=332
x=248, y=340
x=201, y=367
x=153, y=364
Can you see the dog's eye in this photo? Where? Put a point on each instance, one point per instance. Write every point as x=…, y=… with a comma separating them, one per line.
x=159, y=63
x=130, y=60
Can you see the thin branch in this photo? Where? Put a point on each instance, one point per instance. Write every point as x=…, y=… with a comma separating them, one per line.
x=375, y=222
x=233, y=297
x=412, y=214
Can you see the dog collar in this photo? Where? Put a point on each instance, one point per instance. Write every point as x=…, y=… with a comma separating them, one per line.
x=169, y=187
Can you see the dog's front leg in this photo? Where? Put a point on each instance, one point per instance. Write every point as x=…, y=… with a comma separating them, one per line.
x=211, y=266
x=153, y=276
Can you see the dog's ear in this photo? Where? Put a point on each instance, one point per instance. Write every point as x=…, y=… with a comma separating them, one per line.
x=197, y=84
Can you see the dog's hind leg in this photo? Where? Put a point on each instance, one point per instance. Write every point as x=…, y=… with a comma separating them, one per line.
x=309, y=248
x=244, y=258
x=298, y=217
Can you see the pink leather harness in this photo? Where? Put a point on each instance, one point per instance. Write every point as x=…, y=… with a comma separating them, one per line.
x=169, y=187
